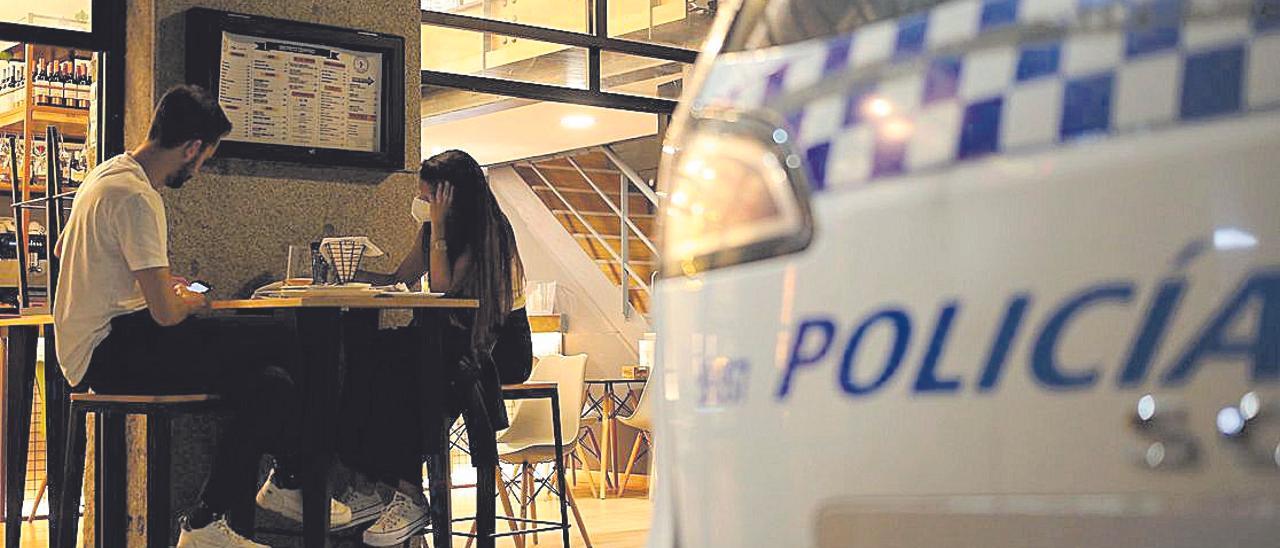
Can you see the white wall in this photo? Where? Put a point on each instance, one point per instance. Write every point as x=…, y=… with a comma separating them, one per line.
x=590, y=304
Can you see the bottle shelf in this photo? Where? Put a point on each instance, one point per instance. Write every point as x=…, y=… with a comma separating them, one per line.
x=71, y=122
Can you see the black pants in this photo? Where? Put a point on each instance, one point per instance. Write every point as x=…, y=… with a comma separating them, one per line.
x=242, y=359
x=383, y=402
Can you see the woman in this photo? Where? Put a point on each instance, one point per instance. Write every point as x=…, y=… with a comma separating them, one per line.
x=468, y=249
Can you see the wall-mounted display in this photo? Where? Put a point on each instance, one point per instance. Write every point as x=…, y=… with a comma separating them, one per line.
x=301, y=92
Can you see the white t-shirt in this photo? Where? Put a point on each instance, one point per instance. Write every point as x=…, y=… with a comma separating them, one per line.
x=117, y=226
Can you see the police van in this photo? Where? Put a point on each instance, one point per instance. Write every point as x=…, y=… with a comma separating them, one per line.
x=973, y=273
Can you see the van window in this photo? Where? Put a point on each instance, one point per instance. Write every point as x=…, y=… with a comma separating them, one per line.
x=768, y=23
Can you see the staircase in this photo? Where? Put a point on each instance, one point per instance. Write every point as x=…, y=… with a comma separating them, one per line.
x=609, y=209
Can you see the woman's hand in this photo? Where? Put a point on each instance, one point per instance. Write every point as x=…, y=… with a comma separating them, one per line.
x=440, y=204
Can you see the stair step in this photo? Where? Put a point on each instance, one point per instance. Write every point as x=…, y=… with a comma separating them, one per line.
x=633, y=216
x=604, y=224
x=595, y=170
x=591, y=201
x=634, y=262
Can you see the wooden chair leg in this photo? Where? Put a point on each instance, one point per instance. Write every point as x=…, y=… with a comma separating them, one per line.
x=526, y=494
x=585, y=470
x=506, y=507
x=577, y=516
x=533, y=501
x=648, y=485
x=571, y=460
x=44, y=485
x=631, y=462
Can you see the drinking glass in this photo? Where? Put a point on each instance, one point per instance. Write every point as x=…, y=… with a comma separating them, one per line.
x=298, y=269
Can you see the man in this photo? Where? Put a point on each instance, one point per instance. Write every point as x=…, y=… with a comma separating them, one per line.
x=124, y=326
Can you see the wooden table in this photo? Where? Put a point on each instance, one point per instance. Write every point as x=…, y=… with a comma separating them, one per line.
x=320, y=321
x=21, y=334
x=609, y=405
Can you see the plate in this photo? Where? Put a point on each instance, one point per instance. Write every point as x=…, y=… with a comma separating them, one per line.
x=354, y=286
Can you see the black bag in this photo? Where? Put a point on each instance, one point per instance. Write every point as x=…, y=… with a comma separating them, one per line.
x=512, y=353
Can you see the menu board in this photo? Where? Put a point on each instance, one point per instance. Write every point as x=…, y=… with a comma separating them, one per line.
x=283, y=92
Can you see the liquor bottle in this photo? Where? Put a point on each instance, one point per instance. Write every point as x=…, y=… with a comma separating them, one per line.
x=86, y=86
x=63, y=90
x=50, y=86
x=20, y=85
x=73, y=86
x=39, y=86
x=57, y=85
x=6, y=87
x=81, y=87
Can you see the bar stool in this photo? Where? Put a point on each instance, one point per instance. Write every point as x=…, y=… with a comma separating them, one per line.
x=109, y=463
x=536, y=436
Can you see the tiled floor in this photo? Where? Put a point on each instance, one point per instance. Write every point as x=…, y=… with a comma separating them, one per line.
x=612, y=523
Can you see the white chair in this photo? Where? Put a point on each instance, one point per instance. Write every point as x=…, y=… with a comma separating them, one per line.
x=531, y=438
x=642, y=420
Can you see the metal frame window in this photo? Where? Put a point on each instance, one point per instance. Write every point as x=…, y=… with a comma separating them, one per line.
x=596, y=42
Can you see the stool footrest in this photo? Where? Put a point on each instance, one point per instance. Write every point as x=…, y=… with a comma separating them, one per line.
x=138, y=398
x=145, y=404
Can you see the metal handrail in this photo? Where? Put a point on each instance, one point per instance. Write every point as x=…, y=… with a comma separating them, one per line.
x=616, y=210
x=622, y=166
x=599, y=239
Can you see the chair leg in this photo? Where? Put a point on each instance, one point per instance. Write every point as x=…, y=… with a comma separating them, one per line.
x=72, y=482
x=506, y=507
x=111, y=485
x=44, y=486
x=486, y=500
x=572, y=461
x=533, y=501
x=577, y=516
x=526, y=495
x=159, y=519
x=586, y=472
x=631, y=462
x=648, y=485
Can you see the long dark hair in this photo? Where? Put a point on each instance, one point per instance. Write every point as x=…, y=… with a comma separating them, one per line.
x=478, y=225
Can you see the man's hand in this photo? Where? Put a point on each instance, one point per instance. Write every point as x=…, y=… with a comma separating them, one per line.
x=192, y=300
x=168, y=302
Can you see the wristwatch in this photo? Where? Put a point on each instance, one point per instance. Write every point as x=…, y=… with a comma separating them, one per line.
x=439, y=245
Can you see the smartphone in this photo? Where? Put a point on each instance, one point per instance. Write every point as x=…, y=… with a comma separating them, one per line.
x=200, y=287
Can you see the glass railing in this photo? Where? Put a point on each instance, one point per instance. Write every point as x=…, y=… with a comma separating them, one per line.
x=677, y=23
x=568, y=15
x=643, y=76
x=504, y=57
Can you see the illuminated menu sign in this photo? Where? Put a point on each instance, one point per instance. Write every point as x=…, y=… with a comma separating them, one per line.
x=292, y=93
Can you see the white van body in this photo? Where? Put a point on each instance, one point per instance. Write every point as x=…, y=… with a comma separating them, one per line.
x=1028, y=295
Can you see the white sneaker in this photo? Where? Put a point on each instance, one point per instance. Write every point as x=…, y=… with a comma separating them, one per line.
x=365, y=505
x=399, y=521
x=288, y=503
x=217, y=534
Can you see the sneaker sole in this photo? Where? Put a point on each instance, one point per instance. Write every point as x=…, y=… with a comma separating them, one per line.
x=265, y=504
x=392, y=538
x=361, y=519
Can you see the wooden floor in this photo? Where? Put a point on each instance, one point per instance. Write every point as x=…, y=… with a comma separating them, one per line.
x=612, y=523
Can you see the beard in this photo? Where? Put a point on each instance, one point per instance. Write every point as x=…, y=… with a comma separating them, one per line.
x=183, y=175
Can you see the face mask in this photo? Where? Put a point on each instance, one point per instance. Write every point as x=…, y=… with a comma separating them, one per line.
x=421, y=210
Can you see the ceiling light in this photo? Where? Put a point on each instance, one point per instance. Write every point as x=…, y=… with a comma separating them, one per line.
x=578, y=121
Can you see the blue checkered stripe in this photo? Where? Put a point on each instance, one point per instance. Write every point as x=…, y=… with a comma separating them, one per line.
x=1164, y=71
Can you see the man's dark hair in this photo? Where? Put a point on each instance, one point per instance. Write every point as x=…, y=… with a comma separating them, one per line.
x=187, y=113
